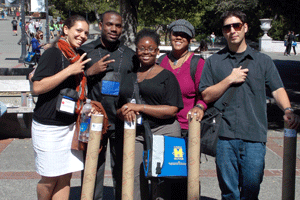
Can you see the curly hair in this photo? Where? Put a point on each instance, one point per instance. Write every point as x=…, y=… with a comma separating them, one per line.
x=147, y=33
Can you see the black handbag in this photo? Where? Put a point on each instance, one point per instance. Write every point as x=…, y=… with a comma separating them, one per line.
x=210, y=125
x=211, y=122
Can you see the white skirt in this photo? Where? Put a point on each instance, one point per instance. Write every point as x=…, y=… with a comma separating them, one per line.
x=52, y=150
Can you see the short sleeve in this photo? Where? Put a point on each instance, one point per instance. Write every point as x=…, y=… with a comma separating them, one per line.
x=272, y=77
x=49, y=64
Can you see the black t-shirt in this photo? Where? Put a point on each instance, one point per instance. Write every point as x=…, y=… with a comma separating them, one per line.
x=45, y=112
x=163, y=89
x=14, y=22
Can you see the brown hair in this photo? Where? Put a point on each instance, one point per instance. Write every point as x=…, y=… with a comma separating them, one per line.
x=70, y=22
x=37, y=35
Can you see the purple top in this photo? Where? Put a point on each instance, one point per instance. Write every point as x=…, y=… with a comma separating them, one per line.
x=187, y=86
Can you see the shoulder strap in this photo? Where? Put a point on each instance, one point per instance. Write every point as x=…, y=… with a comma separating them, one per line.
x=160, y=59
x=232, y=90
x=193, y=66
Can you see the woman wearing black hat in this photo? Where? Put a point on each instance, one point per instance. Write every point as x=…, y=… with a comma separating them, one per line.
x=187, y=68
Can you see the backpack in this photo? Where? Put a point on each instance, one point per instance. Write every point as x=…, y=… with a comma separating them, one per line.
x=193, y=66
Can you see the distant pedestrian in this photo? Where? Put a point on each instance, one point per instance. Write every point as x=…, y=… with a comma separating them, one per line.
x=41, y=25
x=37, y=25
x=51, y=28
x=31, y=29
x=289, y=43
x=202, y=47
x=212, y=38
x=294, y=42
x=20, y=24
x=18, y=15
x=31, y=20
x=14, y=23
x=286, y=42
x=36, y=47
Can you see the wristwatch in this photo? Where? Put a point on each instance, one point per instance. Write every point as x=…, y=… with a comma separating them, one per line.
x=197, y=105
x=288, y=108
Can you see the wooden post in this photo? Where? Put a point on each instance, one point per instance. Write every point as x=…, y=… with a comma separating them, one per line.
x=194, y=160
x=91, y=161
x=128, y=160
x=289, y=163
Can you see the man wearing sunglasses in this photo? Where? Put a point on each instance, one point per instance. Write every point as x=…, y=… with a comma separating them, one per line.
x=242, y=140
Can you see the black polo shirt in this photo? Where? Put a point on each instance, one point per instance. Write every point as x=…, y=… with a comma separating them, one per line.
x=125, y=62
x=246, y=116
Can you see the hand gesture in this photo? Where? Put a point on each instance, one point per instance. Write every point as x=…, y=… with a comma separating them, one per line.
x=238, y=75
x=100, y=66
x=78, y=66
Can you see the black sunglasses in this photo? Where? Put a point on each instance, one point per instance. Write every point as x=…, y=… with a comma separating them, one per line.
x=236, y=26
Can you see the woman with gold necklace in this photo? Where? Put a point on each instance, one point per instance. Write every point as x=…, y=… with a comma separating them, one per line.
x=187, y=68
x=160, y=92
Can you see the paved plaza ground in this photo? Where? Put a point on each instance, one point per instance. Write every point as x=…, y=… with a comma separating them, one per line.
x=18, y=178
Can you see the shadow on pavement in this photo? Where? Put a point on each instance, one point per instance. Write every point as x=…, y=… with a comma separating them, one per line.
x=108, y=193
x=290, y=75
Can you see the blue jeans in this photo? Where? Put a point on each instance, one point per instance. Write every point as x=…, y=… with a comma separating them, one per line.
x=240, y=168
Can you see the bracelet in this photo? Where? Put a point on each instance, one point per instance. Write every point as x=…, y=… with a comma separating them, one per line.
x=144, y=108
x=288, y=108
x=197, y=105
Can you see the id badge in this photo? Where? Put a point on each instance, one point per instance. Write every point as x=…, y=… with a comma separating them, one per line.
x=139, y=119
x=111, y=84
x=67, y=105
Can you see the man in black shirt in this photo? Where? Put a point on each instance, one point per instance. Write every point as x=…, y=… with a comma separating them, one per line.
x=289, y=43
x=241, y=146
x=14, y=23
x=111, y=61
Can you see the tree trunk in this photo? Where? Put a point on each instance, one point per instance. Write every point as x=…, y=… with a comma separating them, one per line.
x=128, y=10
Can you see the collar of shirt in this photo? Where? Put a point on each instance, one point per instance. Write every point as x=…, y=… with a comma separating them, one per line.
x=98, y=43
x=249, y=52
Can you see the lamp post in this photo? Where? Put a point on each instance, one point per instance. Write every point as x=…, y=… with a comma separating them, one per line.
x=23, y=42
x=47, y=22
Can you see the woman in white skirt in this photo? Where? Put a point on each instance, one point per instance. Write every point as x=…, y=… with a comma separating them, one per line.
x=53, y=125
